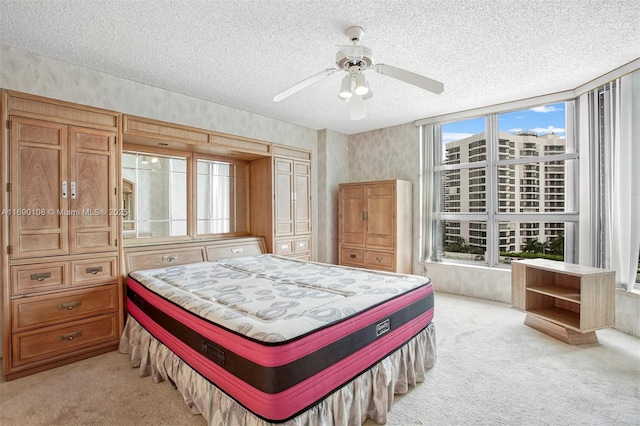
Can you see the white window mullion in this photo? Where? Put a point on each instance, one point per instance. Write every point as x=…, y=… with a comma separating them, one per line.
x=492, y=189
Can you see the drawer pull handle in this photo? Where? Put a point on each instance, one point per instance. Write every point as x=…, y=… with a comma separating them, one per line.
x=379, y=259
x=284, y=246
x=170, y=257
x=41, y=277
x=353, y=256
x=67, y=306
x=300, y=245
x=236, y=250
x=70, y=336
x=94, y=270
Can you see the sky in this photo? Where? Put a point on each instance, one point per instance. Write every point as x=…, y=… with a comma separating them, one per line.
x=542, y=120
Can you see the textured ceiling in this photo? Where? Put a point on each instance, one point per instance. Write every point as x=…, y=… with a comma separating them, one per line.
x=240, y=53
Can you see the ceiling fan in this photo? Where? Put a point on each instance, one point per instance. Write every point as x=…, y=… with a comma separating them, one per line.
x=355, y=59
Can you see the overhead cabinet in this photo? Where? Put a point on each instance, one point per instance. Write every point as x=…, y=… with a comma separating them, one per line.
x=375, y=227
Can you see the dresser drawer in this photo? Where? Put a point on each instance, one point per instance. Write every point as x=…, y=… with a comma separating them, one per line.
x=38, y=278
x=379, y=260
x=57, y=341
x=302, y=245
x=40, y=311
x=93, y=271
x=352, y=257
x=165, y=258
x=243, y=248
x=283, y=247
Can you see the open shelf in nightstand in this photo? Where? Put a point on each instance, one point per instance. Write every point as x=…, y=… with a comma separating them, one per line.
x=566, y=301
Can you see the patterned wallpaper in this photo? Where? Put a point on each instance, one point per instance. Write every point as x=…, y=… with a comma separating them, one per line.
x=333, y=156
x=390, y=153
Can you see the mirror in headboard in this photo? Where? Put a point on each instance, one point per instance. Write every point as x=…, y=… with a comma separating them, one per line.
x=159, y=202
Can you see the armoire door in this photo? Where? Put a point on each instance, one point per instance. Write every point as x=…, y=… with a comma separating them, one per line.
x=38, y=188
x=93, y=193
x=352, y=216
x=380, y=216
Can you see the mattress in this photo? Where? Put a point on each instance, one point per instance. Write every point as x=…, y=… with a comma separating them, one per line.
x=276, y=334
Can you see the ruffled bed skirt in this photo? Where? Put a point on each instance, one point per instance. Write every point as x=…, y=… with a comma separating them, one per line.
x=369, y=395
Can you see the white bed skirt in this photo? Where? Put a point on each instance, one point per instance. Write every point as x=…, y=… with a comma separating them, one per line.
x=369, y=396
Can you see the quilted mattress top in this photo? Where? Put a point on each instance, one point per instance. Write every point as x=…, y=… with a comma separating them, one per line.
x=275, y=299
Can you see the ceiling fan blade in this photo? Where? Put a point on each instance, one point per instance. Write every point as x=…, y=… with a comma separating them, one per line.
x=304, y=83
x=411, y=78
x=351, y=51
x=357, y=110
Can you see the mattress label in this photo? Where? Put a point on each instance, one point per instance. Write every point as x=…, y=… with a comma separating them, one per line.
x=382, y=327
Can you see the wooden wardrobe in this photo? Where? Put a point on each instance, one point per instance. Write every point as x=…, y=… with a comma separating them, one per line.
x=375, y=225
x=62, y=292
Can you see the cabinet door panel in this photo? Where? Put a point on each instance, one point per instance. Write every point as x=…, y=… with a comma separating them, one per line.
x=93, y=226
x=38, y=222
x=380, y=218
x=284, y=197
x=352, y=223
x=302, y=198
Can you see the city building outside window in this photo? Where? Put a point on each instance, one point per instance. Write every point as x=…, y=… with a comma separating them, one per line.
x=503, y=186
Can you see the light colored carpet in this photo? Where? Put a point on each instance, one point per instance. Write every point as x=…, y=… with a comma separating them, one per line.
x=491, y=370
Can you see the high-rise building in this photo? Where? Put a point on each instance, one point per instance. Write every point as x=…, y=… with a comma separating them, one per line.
x=526, y=187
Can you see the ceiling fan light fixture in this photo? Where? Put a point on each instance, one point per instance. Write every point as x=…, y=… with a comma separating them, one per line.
x=345, y=88
x=369, y=93
x=362, y=88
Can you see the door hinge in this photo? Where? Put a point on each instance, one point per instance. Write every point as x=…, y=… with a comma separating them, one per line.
x=9, y=187
x=116, y=241
x=115, y=191
x=8, y=124
x=9, y=250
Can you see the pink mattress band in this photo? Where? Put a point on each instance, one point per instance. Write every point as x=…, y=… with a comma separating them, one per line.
x=283, y=405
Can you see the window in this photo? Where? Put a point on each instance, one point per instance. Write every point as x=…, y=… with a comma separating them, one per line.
x=504, y=186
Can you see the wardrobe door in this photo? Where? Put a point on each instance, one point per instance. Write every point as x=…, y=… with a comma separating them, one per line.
x=93, y=193
x=38, y=188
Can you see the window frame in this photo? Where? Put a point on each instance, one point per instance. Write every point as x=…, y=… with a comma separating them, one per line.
x=432, y=166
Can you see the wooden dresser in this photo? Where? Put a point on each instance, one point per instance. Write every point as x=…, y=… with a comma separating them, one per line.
x=62, y=291
x=375, y=225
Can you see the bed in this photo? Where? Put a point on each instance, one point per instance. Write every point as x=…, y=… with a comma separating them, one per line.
x=264, y=339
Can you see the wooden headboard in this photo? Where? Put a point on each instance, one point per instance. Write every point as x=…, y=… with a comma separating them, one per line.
x=163, y=255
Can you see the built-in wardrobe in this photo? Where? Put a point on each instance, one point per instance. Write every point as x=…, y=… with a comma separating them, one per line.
x=69, y=217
